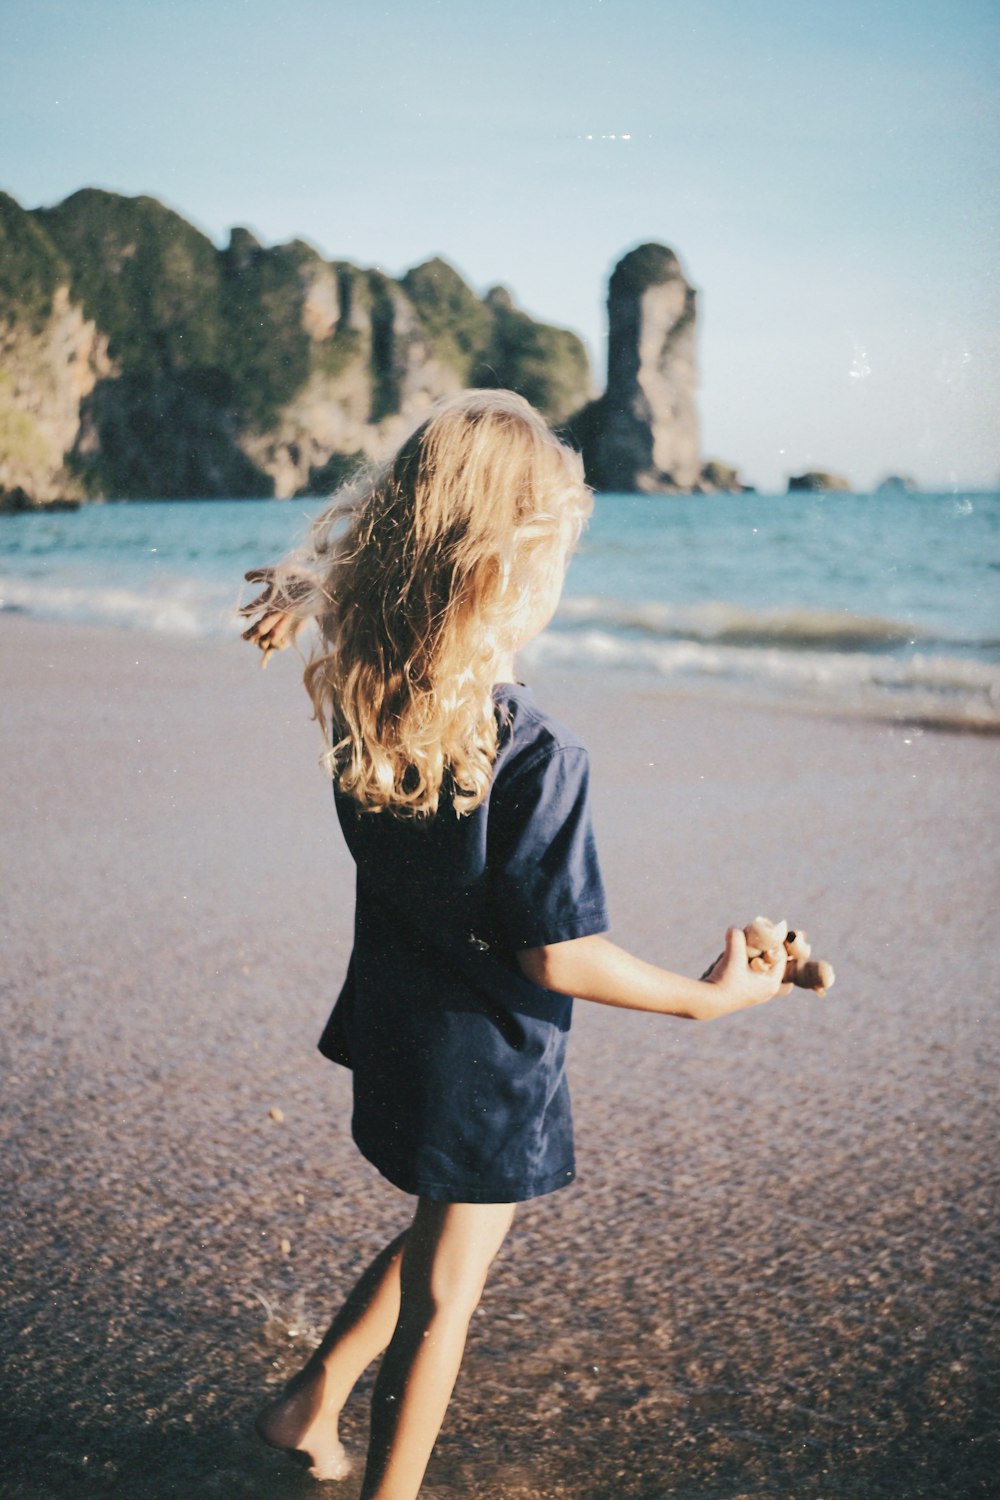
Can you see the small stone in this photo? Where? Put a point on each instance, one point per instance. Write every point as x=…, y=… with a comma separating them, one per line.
x=277, y=1115
x=286, y=1247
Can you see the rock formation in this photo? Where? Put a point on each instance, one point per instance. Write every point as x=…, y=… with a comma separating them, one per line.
x=897, y=484
x=642, y=434
x=138, y=360
x=717, y=478
x=816, y=481
x=51, y=358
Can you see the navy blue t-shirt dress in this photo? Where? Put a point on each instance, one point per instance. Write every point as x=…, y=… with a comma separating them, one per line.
x=460, y=1089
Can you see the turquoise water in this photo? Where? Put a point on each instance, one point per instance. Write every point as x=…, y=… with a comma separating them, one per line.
x=861, y=604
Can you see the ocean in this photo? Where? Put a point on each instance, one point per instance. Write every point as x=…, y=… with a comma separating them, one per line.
x=877, y=605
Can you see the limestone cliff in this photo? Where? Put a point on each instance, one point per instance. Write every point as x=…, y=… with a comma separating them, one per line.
x=46, y=374
x=51, y=357
x=643, y=432
x=138, y=360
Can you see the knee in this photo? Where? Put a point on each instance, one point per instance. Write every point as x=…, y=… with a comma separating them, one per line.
x=443, y=1293
x=444, y=1272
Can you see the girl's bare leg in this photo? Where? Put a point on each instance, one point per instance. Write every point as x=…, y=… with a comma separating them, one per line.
x=446, y=1257
x=304, y=1417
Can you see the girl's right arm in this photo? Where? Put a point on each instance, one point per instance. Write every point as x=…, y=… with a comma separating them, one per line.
x=592, y=968
x=281, y=609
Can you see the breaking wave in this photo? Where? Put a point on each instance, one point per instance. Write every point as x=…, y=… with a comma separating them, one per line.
x=721, y=623
x=828, y=661
x=185, y=608
x=817, y=671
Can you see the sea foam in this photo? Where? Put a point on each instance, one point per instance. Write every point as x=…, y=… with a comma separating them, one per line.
x=182, y=610
x=947, y=690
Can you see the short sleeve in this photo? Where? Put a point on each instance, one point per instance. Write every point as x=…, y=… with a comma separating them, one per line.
x=545, y=876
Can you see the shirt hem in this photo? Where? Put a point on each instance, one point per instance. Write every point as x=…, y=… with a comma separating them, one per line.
x=420, y=1186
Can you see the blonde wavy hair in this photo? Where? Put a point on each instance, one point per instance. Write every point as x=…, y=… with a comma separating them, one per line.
x=423, y=578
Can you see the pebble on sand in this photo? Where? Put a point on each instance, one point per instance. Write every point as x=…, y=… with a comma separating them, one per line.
x=277, y=1115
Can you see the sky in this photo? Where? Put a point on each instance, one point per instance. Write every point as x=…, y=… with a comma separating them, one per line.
x=826, y=171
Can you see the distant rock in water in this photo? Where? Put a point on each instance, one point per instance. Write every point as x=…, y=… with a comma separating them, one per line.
x=16, y=501
x=642, y=434
x=897, y=484
x=815, y=481
x=718, y=478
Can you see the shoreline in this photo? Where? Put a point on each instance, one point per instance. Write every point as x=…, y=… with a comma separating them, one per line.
x=772, y=1275
x=634, y=682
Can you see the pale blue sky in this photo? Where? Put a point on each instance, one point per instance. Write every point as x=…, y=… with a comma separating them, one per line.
x=827, y=173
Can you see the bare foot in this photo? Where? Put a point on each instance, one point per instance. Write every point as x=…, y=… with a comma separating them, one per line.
x=296, y=1420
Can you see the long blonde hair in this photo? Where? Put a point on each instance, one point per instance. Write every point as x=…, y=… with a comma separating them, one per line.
x=424, y=577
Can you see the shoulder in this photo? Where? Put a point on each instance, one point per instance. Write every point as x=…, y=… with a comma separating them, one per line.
x=529, y=735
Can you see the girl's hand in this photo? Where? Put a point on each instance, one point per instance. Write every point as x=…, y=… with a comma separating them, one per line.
x=741, y=985
x=280, y=618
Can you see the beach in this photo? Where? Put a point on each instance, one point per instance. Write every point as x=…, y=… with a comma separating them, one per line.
x=774, y=1276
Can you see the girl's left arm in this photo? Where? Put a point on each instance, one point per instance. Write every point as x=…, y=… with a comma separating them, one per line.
x=592, y=968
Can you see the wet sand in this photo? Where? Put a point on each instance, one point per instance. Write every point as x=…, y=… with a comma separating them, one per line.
x=775, y=1275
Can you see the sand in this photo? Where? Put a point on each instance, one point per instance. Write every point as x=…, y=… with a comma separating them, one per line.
x=775, y=1274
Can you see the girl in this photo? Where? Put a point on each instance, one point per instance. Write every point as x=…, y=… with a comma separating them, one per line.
x=479, y=903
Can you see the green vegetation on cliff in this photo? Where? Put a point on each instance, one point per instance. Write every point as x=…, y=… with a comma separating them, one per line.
x=226, y=324
x=548, y=366
x=267, y=358
x=164, y=423
x=459, y=324
x=30, y=265
x=647, y=265
x=146, y=277
x=492, y=344
x=386, y=371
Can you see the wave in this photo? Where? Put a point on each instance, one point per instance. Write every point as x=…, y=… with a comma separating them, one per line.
x=935, y=689
x=721, y=623
x=184, y=609
x=827, y=661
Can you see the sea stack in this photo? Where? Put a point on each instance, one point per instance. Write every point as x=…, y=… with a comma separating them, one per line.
x=643, y=432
